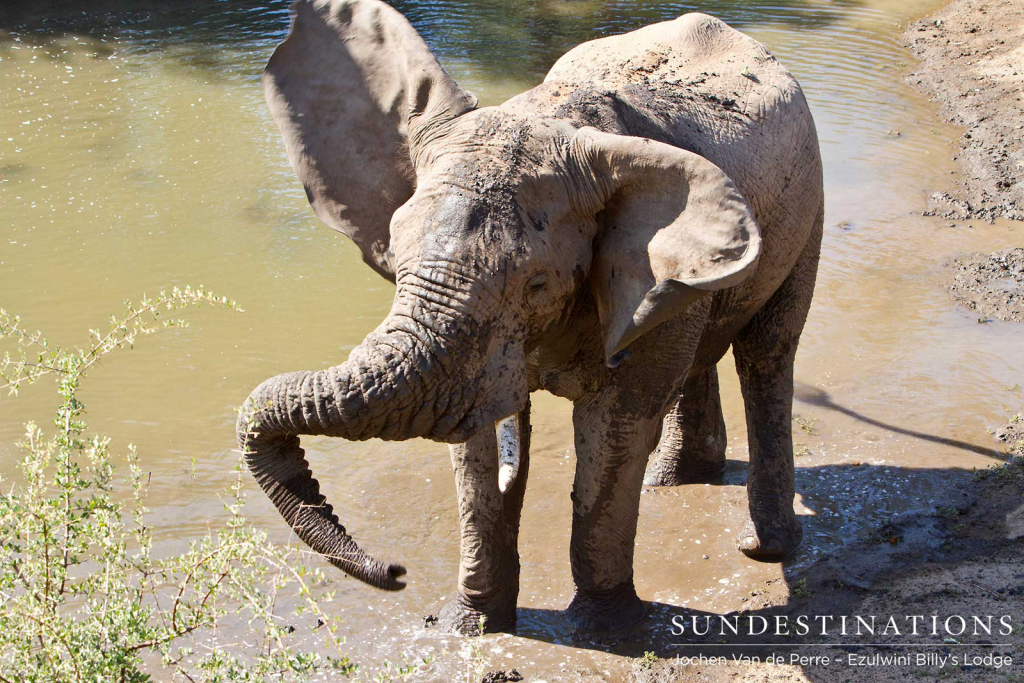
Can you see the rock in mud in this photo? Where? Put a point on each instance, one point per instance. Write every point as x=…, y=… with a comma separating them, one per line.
x=991, y=284
x=501, y=676
x=1012, y=435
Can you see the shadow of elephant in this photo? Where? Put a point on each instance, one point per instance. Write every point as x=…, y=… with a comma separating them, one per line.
x=922, y=560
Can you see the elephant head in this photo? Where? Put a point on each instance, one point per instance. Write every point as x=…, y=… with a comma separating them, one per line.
x=491, y=223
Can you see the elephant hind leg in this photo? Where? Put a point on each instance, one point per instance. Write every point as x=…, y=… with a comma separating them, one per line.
x=693, y=441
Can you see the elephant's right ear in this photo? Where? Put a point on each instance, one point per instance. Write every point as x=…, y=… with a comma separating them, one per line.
x=356, y=91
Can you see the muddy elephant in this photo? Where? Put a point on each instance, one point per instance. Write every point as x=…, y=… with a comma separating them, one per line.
x=605, y=236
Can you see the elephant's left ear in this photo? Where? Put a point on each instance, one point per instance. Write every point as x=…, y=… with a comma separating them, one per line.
x=358, y=95
x=673, y=228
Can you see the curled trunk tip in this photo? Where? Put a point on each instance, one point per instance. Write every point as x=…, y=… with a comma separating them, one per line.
x=282, y=408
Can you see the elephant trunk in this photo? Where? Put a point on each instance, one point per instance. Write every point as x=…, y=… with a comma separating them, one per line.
x=379, y=392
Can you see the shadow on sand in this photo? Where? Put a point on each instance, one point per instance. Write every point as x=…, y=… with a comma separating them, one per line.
x=805, y=393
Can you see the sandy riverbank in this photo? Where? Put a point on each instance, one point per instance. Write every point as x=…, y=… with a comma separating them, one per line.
x=971, y=61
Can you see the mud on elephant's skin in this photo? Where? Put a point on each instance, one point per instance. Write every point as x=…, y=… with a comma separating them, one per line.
x=605, y=236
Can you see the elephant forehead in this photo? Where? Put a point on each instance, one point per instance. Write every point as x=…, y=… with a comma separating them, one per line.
x=491, y=147
x=457, y=210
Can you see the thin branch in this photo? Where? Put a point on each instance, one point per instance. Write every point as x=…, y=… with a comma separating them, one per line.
x=74, y=656
x=35, y=340
x=191, y=573
x=178, y=633
x=46, y=560
x=48, y=368
x=94, y=354
x=146, y=644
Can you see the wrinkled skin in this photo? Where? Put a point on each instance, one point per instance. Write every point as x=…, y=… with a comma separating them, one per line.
x=605, y=236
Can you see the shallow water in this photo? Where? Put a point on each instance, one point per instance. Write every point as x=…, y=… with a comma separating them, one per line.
x=136, y=153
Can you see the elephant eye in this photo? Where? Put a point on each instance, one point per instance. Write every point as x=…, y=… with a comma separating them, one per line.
x=535, y=287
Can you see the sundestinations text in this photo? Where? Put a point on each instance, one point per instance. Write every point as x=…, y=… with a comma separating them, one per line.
x=843, y=625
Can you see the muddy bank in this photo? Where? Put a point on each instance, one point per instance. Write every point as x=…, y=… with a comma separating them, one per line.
x=957, y=555
x=965, y=557
x=971, y=61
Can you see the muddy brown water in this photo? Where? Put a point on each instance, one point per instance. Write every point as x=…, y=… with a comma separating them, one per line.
x=136, y=153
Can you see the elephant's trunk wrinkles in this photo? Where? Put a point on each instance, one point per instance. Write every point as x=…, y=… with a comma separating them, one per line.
x=379, y=392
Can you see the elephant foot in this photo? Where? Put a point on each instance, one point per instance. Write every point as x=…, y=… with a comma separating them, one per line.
x=461, y=616
x=772, y=539
x=664, y=470
x=610, y=610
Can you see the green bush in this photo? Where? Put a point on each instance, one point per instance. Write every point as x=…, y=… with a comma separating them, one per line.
x=82, y=597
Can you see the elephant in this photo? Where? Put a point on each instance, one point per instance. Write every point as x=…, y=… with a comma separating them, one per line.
x=606, y=236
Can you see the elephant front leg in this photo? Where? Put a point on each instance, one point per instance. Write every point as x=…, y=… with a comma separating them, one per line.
x=489, y=530
x=611, y=453
x=765, y=351
x=772, y=529
x=692, y=445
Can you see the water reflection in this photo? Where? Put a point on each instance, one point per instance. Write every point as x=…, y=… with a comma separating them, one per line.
x=483, y=28
x=499, y=48
x=198, y=21
x=514, y=40
x=520, y=40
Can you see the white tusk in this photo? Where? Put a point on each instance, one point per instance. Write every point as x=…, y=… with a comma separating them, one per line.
x=508, y=452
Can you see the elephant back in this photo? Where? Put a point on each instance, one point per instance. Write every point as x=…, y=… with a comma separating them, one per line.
x=694, y=58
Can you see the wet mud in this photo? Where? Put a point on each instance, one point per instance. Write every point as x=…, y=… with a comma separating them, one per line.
x=991, y=284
